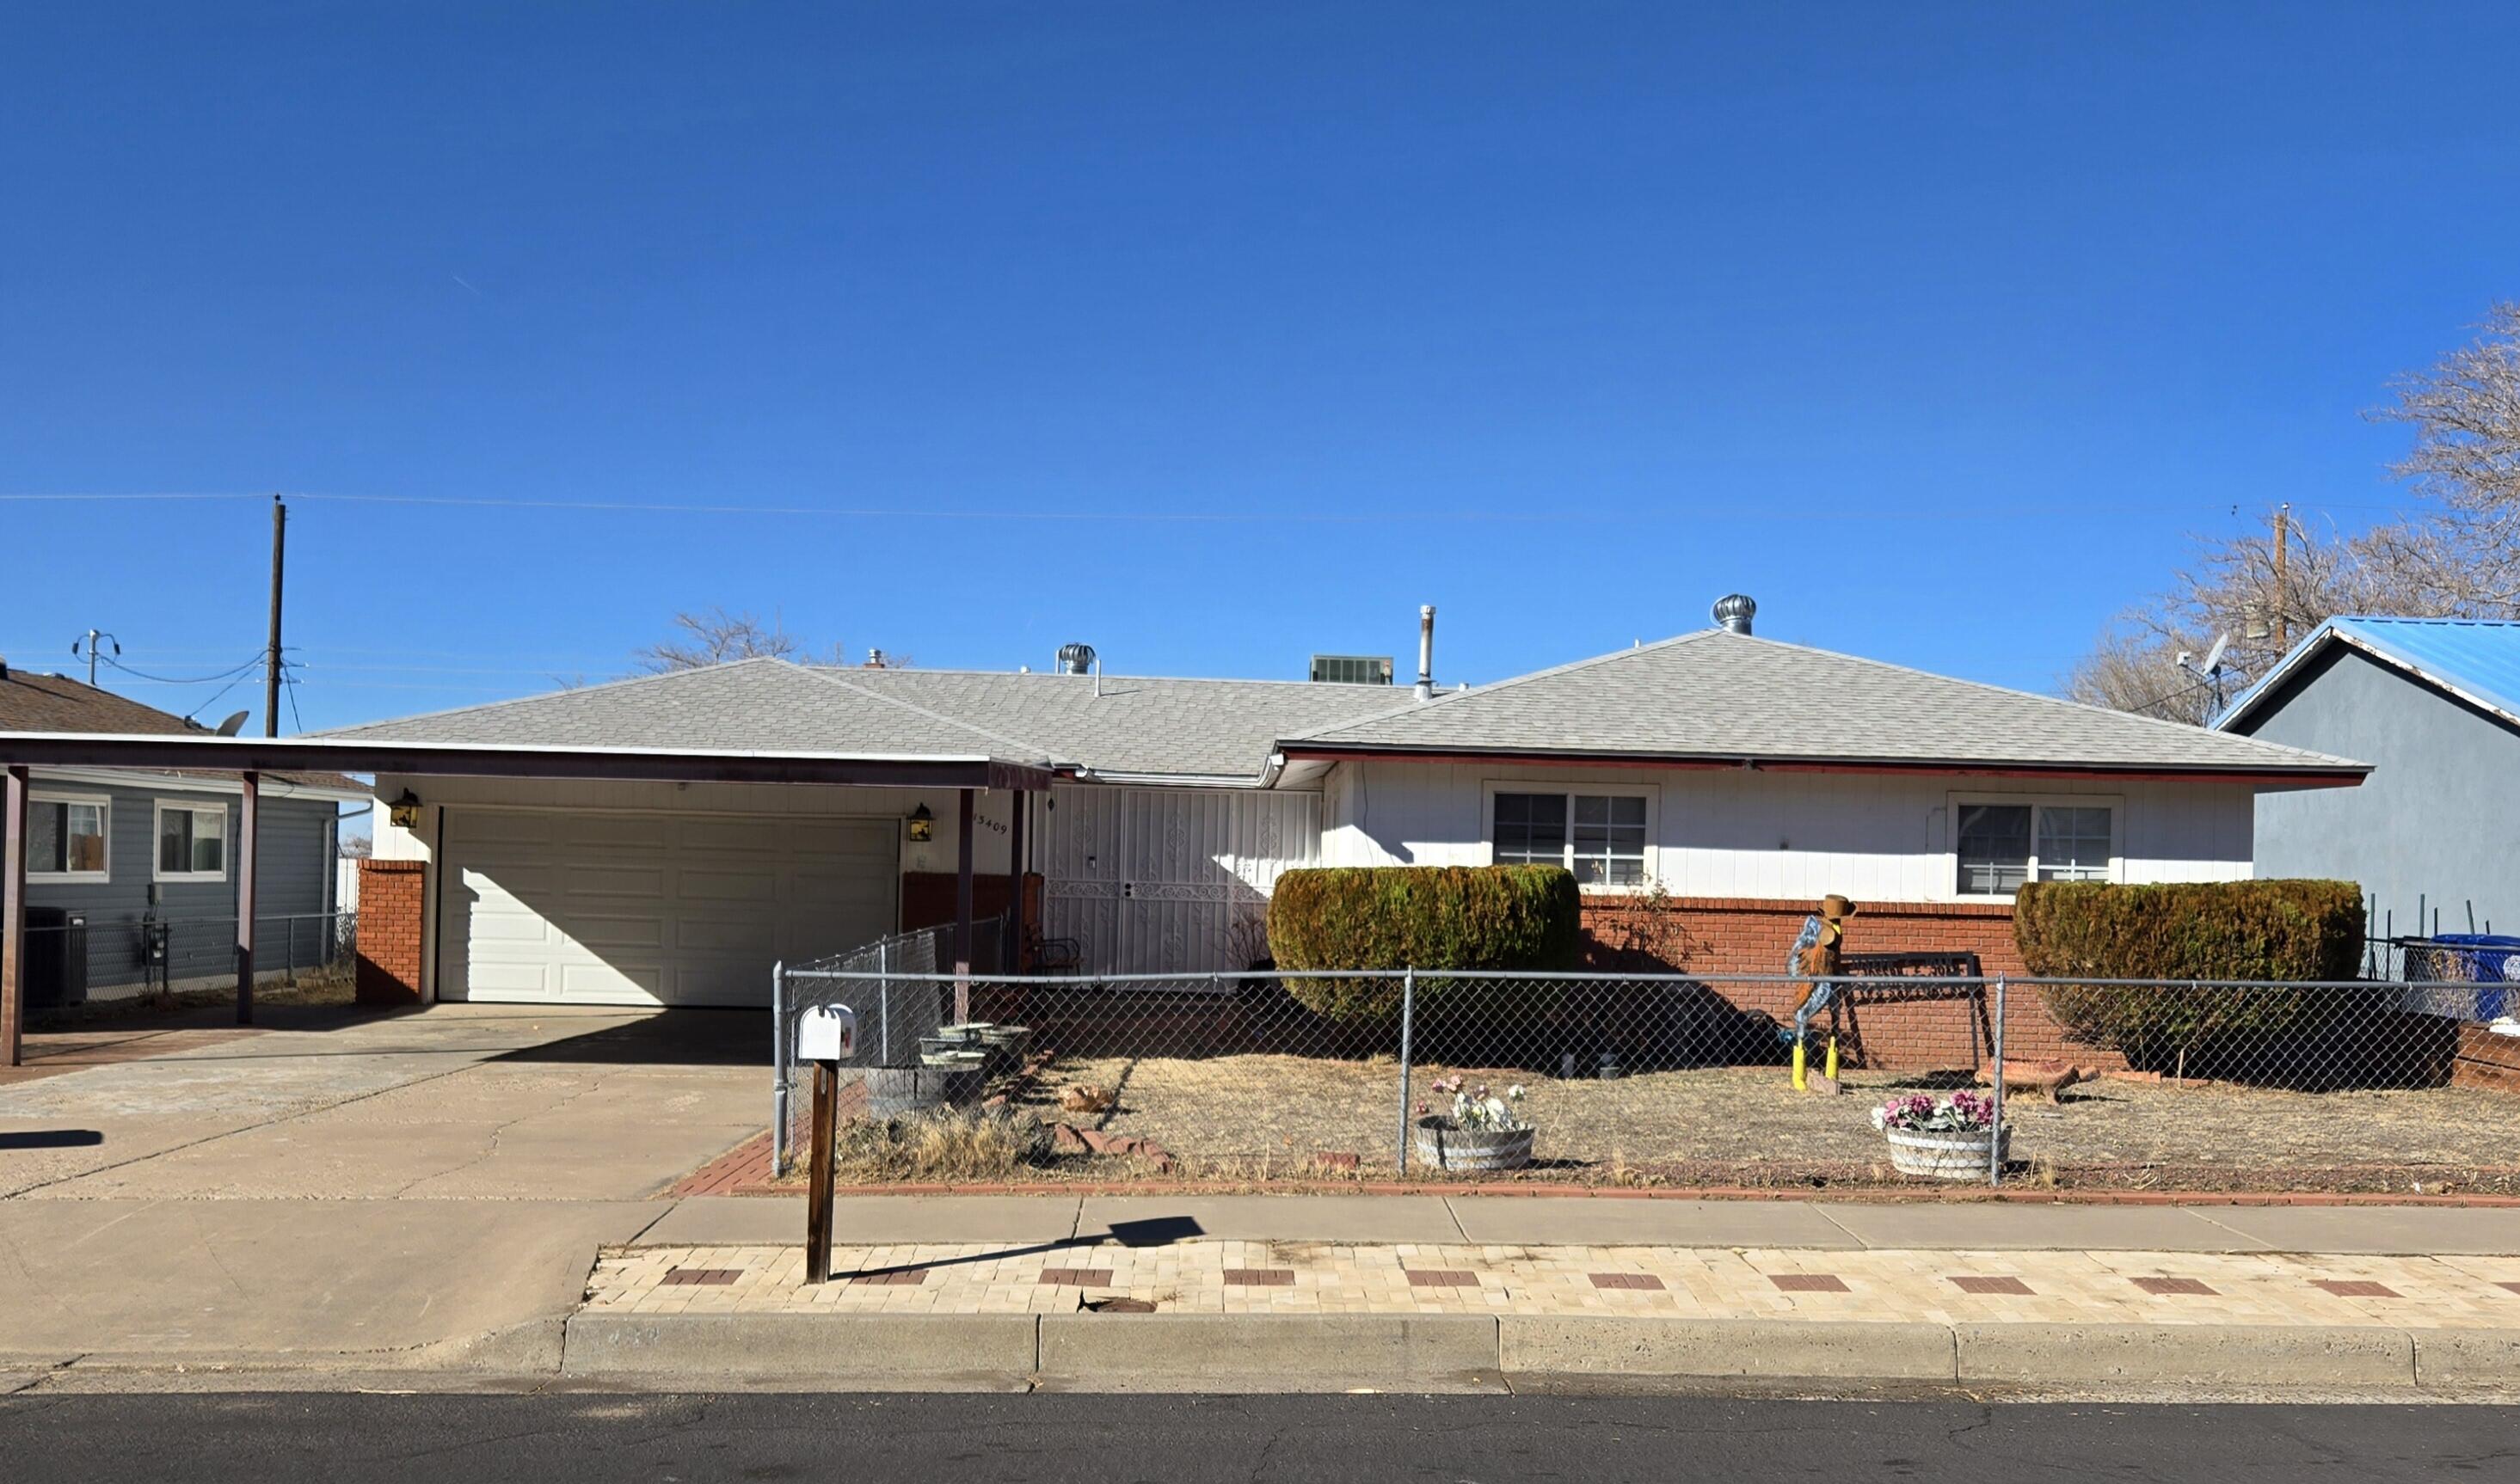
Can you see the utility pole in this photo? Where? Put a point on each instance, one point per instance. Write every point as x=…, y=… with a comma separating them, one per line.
x=93, y=636
x=271, y=656
x=2284, y=598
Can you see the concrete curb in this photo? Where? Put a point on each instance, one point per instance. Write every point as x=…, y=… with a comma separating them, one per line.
x=978, y=1348
x=1191, y=1352
x=1751, y=1348
x=2189, y=1355
x=2453, y=1359
x=1449, y=1352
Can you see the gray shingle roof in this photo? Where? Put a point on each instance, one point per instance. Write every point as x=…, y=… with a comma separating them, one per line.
x=1712, y=695
x=1213, y=728
x=752, y=705
x=1721, y=694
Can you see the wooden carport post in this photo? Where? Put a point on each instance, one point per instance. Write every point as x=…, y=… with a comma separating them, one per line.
x=1010, y=939
x=248, y=831
x=963, y=906
x=13, y=915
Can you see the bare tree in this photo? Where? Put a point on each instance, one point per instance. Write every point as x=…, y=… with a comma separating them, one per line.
x=717, y=637
x=2466, y=458
x=2461, y=558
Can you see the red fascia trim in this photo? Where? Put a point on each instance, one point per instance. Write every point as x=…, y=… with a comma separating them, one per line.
x=2308, y=779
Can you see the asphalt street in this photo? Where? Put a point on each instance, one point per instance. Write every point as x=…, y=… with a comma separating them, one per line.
x=559, y=1439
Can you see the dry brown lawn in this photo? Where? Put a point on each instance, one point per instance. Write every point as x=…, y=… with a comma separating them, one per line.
x=1747, y=1125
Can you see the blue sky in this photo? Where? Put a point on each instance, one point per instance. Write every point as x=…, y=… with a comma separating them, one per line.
x=1212, y=336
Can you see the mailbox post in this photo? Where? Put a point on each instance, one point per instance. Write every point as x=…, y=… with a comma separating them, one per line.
x=827, y=1035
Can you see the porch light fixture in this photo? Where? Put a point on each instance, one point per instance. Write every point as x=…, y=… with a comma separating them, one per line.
x=922, y=826
x=404, y=811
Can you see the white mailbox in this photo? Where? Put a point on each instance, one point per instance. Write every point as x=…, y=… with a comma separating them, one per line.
x=827, y=1033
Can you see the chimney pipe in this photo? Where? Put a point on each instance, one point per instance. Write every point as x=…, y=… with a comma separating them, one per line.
x=1734, y=612
x=1427, y=651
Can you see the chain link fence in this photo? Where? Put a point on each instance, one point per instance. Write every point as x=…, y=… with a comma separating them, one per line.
x=1693, y=1079
x=901, y=1001
x=74, y=956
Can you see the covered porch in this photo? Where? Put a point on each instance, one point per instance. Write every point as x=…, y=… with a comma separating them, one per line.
x=645, y=901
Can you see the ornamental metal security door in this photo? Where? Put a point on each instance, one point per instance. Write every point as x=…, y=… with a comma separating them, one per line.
x=1170, y=880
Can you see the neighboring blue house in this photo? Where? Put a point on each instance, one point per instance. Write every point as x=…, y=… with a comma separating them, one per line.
x=2434, y=706
x=137, y=857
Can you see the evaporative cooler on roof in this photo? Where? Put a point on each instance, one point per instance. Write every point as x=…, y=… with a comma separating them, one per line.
x=1352, y=669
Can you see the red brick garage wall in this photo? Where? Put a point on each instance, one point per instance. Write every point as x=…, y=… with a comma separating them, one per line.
x=1749, y=935
x=391, y=898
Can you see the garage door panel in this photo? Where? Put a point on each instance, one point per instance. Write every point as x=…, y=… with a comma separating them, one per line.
x=705, y=883
x=644, y=910
x=646, y=884
x=508, y=927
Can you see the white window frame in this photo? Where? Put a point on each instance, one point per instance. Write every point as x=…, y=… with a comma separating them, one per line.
x=2113, y=802
x=104, y=810
x=157, y=871
x=1652, y=867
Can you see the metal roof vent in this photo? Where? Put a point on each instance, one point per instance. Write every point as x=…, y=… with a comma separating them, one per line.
x=1734, y=612
x=1075, y=659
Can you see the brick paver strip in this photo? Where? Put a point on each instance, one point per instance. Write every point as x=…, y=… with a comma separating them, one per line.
x=710, y=1276
x=1808, y=1282
x=1076, y=1278
x=2357, y=1287
x=1260, y=1278
x=1642, y=1281
x=2171, y=1285
x=898, y=1277
x=1981, y=1283
x=1441, y=1277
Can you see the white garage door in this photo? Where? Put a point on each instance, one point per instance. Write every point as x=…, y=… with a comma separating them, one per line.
x=620, y=908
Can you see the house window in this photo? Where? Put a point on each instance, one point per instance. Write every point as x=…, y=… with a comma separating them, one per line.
x=2003, y=845
x=1600, y=837
x=66, y=838
x=192, y=841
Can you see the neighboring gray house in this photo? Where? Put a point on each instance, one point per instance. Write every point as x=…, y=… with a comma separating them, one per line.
x=2434, y=706
x=132, y=855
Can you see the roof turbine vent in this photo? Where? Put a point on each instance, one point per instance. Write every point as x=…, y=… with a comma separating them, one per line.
x=1075, y=659
x=1734, y=612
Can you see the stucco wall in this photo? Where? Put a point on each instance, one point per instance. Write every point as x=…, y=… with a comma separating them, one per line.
x=2437, y=825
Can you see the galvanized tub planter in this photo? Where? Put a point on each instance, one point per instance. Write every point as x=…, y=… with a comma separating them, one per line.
x=1957, y=1154
x=1447, y=1148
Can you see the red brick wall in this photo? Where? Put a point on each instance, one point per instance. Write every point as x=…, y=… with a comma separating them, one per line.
x=1748, y=936
x=391, y=898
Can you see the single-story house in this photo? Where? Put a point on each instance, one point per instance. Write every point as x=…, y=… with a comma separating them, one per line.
x=130, y=877
x=1744, y=776
x=664, y=840
x=2434, y=706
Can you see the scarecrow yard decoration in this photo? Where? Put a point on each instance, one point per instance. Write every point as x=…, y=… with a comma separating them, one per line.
x=1818, y=955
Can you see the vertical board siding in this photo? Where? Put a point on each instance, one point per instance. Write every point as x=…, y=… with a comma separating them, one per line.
x=1170, y=880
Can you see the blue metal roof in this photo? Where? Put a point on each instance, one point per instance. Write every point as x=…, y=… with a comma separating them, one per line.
x=2475, y=658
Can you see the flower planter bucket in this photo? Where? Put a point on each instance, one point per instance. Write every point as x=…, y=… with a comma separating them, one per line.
x=1958, y=1155
x=1450, y=1148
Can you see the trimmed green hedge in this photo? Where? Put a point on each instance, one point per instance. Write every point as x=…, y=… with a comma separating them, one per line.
x=2283, y=930
x=1428, y=918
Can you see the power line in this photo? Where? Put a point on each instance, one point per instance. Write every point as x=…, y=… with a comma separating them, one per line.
x=183, y=680
x=1625, y=513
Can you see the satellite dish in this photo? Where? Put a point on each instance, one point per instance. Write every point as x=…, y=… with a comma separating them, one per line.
x=229, y=727
x=2214, y=655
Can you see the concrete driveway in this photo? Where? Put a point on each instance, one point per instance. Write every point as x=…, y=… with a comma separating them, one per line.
x=348, y=1189
x=456, y=1101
